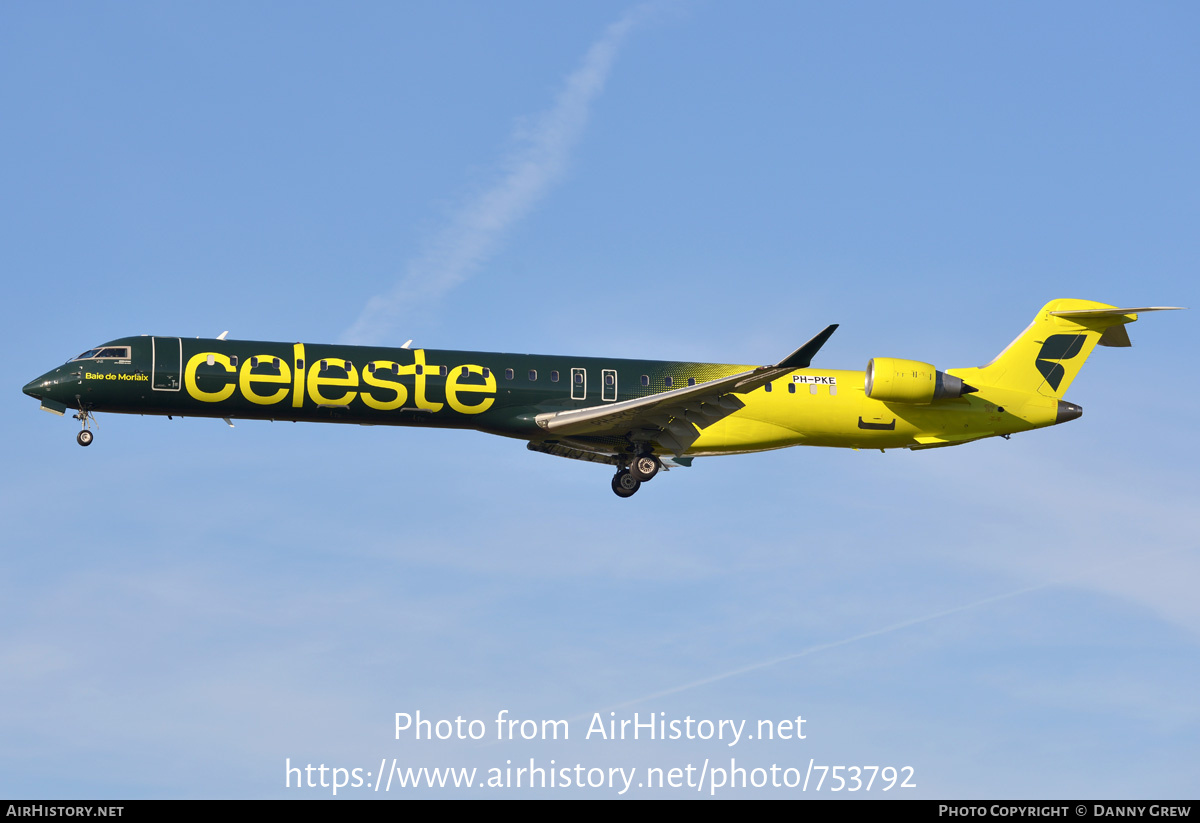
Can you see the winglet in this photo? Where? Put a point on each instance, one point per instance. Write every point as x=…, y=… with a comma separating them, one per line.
x=802, y=357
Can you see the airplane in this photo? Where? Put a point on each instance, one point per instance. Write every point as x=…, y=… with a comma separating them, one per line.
x=639, y=416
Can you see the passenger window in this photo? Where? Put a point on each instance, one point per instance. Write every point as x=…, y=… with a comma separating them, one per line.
x=645, y=380
x=324, y=365
x=833, y=390
x=608, y=379
x=443, y=370
x=508, y=374
x=466, y=370
x=486, y=373
x=553, y=377
x=275, y=362
x=533, y=374
x=812, y=388
x=370, y=368
x=578, y=378
x=691, y=381
x=299, y=365
x=792, y=388
x=212, y=361
x=233, y=360
x=767, y=387
x=254, y=362
x=669, y=381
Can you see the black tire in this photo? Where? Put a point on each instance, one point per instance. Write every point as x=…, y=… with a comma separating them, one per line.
x=625, y=484
x=645, y=467
x=84, y=438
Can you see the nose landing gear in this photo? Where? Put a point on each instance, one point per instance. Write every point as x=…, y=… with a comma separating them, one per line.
x=85, y=437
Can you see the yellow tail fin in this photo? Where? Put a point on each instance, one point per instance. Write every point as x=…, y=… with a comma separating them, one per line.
x=1046, y=356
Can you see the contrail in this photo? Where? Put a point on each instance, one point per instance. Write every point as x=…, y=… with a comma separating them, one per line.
x=832, y=645
x=1141, y=559
x=476, y=229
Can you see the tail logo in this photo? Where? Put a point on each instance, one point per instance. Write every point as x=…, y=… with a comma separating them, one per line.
x=1058, y=347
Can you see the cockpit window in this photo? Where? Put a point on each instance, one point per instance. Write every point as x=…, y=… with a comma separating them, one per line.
x=106, y=353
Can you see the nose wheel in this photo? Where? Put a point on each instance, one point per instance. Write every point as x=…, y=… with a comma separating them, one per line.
x=85, y=437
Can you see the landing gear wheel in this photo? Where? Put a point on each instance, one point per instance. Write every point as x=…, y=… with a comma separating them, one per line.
x=84, y=438
x=625, y=484
x=645, y=467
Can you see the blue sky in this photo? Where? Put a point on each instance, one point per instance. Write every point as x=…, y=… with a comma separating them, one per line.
x=186, y=606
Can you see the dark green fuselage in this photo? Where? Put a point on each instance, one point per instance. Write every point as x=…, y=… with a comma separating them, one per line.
x=491, y=392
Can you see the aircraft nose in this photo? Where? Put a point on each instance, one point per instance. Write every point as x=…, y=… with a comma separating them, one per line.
x=34, y=387
x=45, y=387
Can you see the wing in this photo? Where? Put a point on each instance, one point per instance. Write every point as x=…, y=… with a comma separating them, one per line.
x=668, y=421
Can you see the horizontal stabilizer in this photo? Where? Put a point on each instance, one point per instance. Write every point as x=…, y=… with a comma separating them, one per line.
x=1114, y=336
x=1088, y=314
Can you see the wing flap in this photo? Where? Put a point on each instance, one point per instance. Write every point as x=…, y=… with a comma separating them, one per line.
x=559, y=450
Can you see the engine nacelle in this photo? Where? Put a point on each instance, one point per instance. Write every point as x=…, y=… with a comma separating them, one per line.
x=910, y=381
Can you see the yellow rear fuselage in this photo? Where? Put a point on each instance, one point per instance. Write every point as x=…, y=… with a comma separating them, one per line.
x=824, y=407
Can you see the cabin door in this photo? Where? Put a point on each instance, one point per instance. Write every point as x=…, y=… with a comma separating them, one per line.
x=166, y=361
x=578, y=384
x=608, y=385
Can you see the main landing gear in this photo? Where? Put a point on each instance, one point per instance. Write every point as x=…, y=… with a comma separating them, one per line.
x=85, y=437
x=625, y=484
x=645, y=467
x=641, y=470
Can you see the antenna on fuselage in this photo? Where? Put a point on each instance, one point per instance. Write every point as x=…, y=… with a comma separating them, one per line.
x=221, y=336
x=406, y=345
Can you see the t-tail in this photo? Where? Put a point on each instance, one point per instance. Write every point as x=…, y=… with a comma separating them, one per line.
x=1045, y=358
